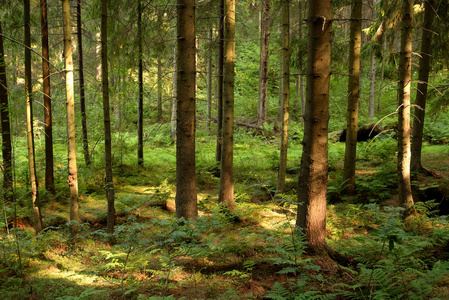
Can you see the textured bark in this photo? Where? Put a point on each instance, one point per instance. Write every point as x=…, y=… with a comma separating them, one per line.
x=284, y=91
x=312, y=186
x=29, y=114
x=226, y=194
x=79, y=36
x=421, y=94
x=220, y=69
x=72, y=179
x=186, y=196
x=405, y=76
x=5, y=127
x=109, y=183
x=140, y=79
x=263, y=64
x=159, y=88
x=174, y=105
x=49, y=169
x=302, y=14
x=353, y=95
x=209, y=81
x=372, y=85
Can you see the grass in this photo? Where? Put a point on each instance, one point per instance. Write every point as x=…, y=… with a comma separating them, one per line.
x=214, y=257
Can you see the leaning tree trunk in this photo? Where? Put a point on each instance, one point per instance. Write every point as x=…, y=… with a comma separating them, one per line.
x=263, y=64
x=5, y=127
x=29, y=114
x=353, y=95
x=226, y=194
x=220, y=69
x=140, y=79
x=79, y=36
x=405, y=78
x=421, y=94
x=109, y=184
x=72, y=179
x=49, y=169
x=284, y=91
x=186, y=196
x=312, y=187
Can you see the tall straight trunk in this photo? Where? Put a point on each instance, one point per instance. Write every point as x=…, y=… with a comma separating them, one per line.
x=312, y=187
x=159, y=87
x=49, y=169
x=109, y=184
x=5, y=127
x=29, y=114
x=140, y=79
x=226, y=194
x=79, y=36
x=355, y=44
x=209, y=81
x=372, y=86
x=186, y=196
x=263, y=64
x=421, y=94
x=284, y=91
x=174, y=105
x=405, y=78
x=302, y=12
x=72, y=179
x=220, y=70
x=382, y=71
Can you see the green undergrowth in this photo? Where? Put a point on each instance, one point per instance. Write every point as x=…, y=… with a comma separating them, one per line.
x=249, y=254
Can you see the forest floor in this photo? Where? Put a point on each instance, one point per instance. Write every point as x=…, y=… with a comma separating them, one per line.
x=252, y=254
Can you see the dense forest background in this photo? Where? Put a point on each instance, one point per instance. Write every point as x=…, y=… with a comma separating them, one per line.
x=114, y=207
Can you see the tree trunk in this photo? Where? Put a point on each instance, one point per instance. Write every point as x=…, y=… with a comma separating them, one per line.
x=140, y=79
x=209, y=81
x=372, y=85
x=49, y=169
x=421, y=94
x=405, y=72
x=355, y=44
x=72, y=179
x=302, y=12
x=159, y=87
x=263, y=64
x=109, y=183
x=186, y=196
x=175, y=93
x=5, y=127
x=284, y=91
x=220, y=70
x=79, y=36
x=226, y=194
x=312, y=185
x=29, y=114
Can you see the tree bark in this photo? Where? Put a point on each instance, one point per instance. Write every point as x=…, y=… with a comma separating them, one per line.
x=263, y=64
x=159, y=87
x=421, y=94
x=186, y=195
x=313, y=174
x=220, y=69
x=226, y=194
x=284, y=91
x=72, y=179
x=140, y=80
x=109, y=183
x=29, y=113
x=79, y=36
x=355, y=44
x=5, y=127
x=209, y=82
x=49, y=169
x=405, y=72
